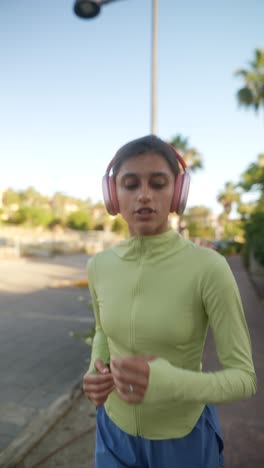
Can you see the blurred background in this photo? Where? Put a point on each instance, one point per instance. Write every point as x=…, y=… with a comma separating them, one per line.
x=74, y=90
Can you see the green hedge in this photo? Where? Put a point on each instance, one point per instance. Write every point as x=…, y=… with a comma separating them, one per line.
x=254, y=229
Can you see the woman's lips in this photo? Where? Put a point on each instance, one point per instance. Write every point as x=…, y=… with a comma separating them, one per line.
x=144, y=210
x=144, y=213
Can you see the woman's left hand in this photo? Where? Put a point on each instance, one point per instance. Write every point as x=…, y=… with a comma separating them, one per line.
x=131, y=377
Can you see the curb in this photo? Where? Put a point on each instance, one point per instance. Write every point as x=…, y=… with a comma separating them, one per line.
x=15, y=452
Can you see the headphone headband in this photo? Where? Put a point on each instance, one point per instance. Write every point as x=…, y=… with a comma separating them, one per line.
x=179, y=158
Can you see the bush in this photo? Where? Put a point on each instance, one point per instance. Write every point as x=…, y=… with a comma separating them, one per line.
x=254, y=229
x=99, y=227
x=32, y=215
x=198, y=230
x=120, y=226
x=79, y=220
x=55, y=222
x=228, y=246
x=245, y=256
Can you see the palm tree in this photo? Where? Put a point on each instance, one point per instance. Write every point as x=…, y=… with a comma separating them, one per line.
x=228, y=197
x=193, y=160
x=252, y=93
x=191, y=156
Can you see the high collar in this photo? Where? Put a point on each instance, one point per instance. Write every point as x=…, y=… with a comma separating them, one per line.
x=150, y=246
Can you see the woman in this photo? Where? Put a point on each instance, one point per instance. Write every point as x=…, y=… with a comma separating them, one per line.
x=154, y=296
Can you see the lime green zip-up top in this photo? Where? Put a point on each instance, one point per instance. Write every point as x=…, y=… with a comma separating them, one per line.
x=158, y=295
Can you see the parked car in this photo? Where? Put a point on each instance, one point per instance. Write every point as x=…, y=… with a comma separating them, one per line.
x=228, y=246
x=204, y=243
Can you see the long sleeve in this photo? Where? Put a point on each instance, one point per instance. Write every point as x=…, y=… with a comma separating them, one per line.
x=237, y=380
x=100, y=346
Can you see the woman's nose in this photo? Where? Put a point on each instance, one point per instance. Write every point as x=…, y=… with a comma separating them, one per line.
x=144, y=194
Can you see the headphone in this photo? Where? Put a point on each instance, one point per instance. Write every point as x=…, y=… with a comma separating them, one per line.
x=180, y=195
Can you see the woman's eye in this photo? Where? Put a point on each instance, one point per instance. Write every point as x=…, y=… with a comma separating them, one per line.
x=158, y=186
x=131, y=186
x=152, y=184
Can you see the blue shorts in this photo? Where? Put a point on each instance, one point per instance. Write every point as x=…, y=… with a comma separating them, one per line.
x=202, y=448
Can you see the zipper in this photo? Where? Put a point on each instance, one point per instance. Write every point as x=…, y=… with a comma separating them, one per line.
x=137, y=293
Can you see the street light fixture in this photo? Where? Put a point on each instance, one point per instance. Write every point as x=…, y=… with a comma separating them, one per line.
x=90, y=8
x=85, y=9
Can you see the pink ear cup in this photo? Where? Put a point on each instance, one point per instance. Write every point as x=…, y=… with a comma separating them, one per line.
x=176, y=194
x=113, y=194
x=181, y=191
x=109, y=194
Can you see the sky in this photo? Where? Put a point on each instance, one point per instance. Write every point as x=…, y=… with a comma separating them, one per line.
x=73, y=91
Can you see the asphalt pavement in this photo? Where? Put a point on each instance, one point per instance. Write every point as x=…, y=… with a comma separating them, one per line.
x=43, y=318
x=41, y=401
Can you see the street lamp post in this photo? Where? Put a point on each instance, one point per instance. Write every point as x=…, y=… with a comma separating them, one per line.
x=87, y=9
x=154, y=43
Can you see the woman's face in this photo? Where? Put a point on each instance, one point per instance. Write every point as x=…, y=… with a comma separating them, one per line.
x=145, y=186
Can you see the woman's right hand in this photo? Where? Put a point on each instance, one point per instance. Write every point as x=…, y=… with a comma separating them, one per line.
x=98, y=386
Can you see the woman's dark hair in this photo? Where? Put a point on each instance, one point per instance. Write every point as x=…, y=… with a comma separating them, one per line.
x=143, y=145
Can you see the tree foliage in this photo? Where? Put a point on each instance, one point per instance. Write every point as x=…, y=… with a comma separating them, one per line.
x=253, y=177
x=31, y=208
x=120, y=226
x=32, y=216
x=228, y=197
x=31, y=197
x=79, y=220
x=191, y=155
x=10, y=197
x=198, y=222
x=252, y=180
x=251, y=95
x=254, y=228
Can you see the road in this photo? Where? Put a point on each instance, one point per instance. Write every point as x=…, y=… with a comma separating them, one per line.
x=41, y=359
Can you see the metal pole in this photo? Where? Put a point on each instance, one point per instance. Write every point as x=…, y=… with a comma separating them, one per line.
x=154, y=67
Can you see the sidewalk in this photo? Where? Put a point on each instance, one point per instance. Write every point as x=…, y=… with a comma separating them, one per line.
x=70, y=443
